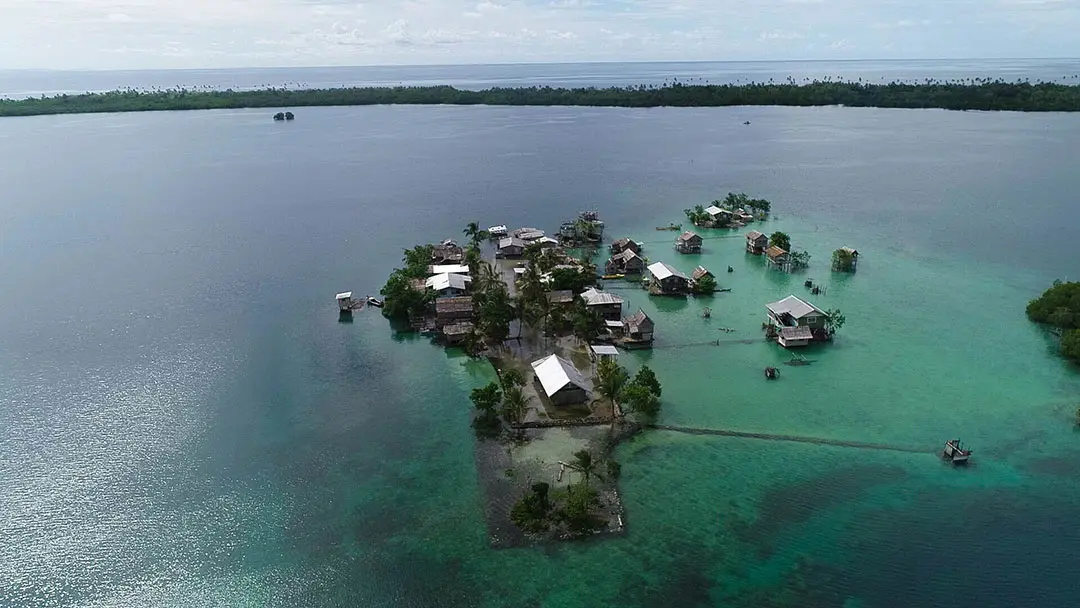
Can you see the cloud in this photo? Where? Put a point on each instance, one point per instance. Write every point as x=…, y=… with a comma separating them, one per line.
x=104, y=34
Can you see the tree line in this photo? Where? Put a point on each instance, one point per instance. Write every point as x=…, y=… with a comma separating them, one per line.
x=1059, y=306
x=971, y=94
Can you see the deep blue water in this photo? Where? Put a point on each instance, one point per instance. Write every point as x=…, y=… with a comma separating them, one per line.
x=183, y=421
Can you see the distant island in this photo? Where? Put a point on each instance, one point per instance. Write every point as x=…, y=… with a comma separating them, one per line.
x=971, y=94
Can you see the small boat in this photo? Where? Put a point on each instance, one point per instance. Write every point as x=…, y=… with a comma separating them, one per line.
x=375, y=302
x=730, y=269
x=613, y=276
x=746, y=123
x=707, y=313
x=670, y=227
x=955, y=453
x=771, y=373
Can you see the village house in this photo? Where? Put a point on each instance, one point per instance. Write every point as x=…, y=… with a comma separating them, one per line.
x=796, y=321
x=625, y=243
x=546, y=242
x=449, y=311
x=720, y=217
x=448, y=269
x=607, y=304
x=561, y=297
x=778, y=258
x=560, y=381
x=448, y=285
x=699, y=273
x=447, y=252
x=511, y=247
x=666, y=280
x=688, y=242
x=603, y=352
x=756, y=242
x=455, y=334
x=625, y=262
x=528, y=234
x=638, y=329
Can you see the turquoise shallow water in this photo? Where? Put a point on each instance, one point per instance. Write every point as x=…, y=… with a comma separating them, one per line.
x=183, y=421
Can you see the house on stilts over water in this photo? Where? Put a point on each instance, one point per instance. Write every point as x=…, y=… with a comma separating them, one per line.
x=796, y=322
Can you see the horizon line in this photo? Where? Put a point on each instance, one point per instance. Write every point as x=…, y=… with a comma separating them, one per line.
x=531, y=63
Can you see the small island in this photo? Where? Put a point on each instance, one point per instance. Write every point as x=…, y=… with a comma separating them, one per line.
x=534, y=306
x=547, y=427
x=967, y=94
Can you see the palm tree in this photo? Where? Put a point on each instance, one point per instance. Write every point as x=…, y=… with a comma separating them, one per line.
x=475, y=233
x=612, y=378
x=584, y=463
x=515, y=404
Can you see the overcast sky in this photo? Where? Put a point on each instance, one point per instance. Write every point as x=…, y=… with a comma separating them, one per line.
x=108, y=34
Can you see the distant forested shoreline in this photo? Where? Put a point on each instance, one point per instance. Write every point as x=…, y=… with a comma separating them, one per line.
x=973, y=94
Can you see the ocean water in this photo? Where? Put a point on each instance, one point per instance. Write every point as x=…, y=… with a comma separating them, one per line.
x=184, y=422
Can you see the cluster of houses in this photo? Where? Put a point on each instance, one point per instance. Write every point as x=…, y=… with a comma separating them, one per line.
x=625, y=257
x=728, y=218
x=512, y=244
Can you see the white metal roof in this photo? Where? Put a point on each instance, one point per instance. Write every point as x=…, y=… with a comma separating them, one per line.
x=443, y=281
x=554, y=373
x=594, y=297
x=713, y=210
x=548, y=239
x=604, y=349
x=448, y=268
x=613, y=323
x=662, y=271
x=793, y=306
x=500, y=229
x=510, y=241
x=345, y=295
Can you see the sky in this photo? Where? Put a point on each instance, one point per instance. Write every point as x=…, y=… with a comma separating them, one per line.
x=138, y=34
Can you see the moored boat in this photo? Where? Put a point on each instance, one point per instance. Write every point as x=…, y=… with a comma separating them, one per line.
x=375, y=302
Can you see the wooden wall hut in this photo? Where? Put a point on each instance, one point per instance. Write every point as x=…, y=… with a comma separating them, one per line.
x=607, y=304
x=778, y=258
x=511, y=247
x=560, y=381
x=688, y=242
x=638, y=329
x=453, y=310
x=666, y=280
x=624, y=244
x=701, y=272
x=625, y=262
x=798, y=322
x=756, y=242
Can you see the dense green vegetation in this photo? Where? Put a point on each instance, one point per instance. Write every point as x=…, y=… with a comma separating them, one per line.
x=704, y=286
x=639, y=395
x=1060, y=306
x=403, y=300
x=781, y=240
x=972, y=94
x=843, y=260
